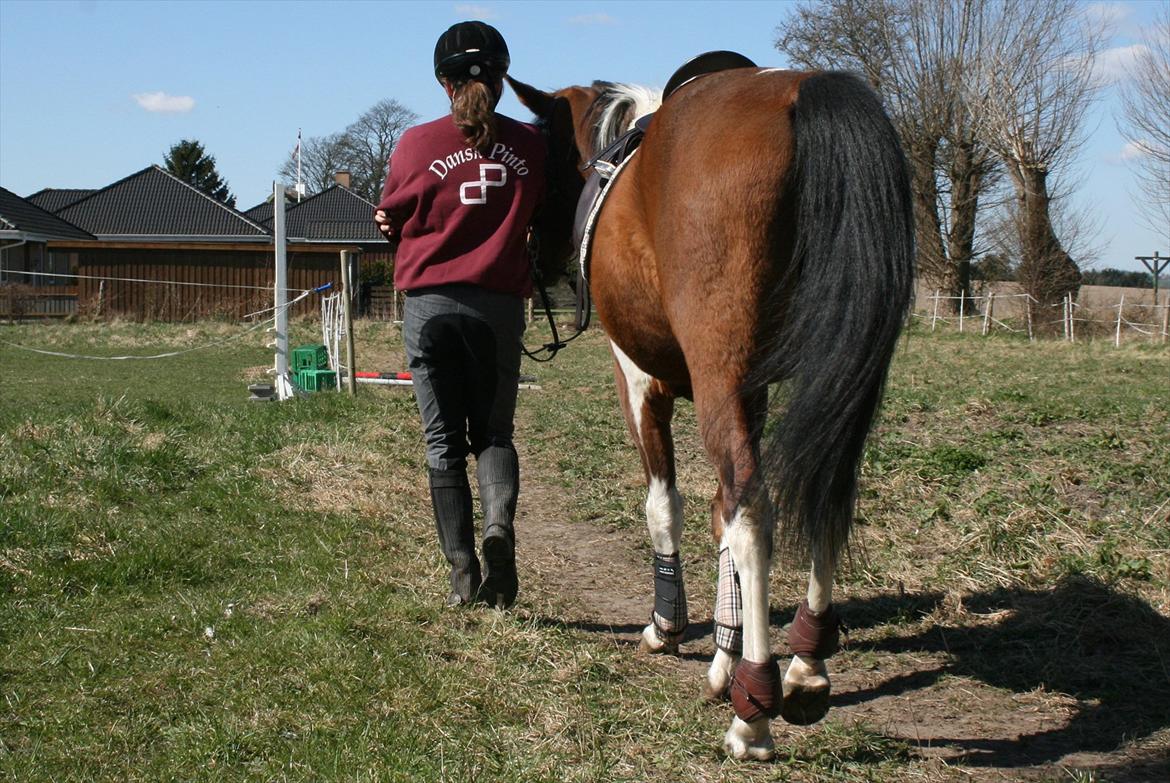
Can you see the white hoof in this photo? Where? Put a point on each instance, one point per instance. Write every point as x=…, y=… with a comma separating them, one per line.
x=749, y=741
x=719, y=676
x=650, y=643
x=806, y=691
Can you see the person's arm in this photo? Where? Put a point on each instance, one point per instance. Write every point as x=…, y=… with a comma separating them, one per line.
x=390, y=213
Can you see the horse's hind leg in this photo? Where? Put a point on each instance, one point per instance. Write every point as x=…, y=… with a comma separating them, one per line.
x=648, y=406
x=813, y=638
x=727, y=422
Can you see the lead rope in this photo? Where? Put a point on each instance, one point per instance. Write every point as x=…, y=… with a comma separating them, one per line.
x=557, y=343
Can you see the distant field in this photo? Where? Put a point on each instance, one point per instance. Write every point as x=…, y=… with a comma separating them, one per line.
x=195, y=587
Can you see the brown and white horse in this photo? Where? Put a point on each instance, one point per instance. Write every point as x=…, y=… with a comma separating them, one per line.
x=760, y=238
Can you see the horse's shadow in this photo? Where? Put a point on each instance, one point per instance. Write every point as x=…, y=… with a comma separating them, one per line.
x=1107, y=649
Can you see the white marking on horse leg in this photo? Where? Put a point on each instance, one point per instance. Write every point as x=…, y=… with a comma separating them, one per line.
x=749, y=740
x=664, y=516
x=806, y=681
x=749, y=550
x=637, y=388
x=664, y=504
x=719, y=675
x=749, y=541
x=820, y=583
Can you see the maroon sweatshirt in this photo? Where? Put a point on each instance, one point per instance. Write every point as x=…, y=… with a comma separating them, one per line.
x=461, y=216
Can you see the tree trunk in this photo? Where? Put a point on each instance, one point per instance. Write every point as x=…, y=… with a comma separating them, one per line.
x=966, y=176
x=1046, y=271
x=931, y=253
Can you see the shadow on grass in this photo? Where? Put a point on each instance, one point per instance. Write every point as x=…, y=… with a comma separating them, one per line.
x=1107, y=649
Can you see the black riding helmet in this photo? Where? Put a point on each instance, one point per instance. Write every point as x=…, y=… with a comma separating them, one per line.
x=471, y=50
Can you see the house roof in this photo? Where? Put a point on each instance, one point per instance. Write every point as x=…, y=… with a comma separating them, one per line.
x=336, y=214
x=21, y=219
x=153, y=204
x=261, y=213
x=56, y=199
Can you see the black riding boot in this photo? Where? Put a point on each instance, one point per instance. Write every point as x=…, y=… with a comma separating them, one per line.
x=451, y=499
x=498, y=472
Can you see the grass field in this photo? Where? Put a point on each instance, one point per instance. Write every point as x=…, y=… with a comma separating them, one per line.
x=195, y=587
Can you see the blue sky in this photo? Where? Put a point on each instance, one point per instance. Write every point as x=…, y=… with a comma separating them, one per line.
x=91, y=91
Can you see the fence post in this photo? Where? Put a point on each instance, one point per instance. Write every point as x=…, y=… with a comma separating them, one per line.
x=1072, y=319
x=1117, y=337
x=1028, y=316
x=987, y=312
x=346, y=296
x=1165, y=321
x=962, y=308
x=934, y=315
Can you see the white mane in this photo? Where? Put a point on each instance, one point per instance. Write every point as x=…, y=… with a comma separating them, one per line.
x=619, y=105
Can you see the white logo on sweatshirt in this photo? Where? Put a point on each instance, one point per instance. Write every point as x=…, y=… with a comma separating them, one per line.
x=484, y=182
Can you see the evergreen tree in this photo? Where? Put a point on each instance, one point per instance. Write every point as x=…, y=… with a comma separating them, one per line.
x=188, y=161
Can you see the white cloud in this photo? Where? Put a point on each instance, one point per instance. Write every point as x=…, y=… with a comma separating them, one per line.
x=1134, y=150
x=1116, y=64
x=1111, y=13
x=483, y=13
x=164, y=104
x=1131, y=151
x=592, y=19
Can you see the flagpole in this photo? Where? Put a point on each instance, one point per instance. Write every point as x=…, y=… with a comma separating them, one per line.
x=300, y=185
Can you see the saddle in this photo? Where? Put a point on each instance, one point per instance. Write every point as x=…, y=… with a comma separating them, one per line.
x=606, y=165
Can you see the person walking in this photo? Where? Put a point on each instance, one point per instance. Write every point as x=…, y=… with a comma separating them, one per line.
x=458, y=201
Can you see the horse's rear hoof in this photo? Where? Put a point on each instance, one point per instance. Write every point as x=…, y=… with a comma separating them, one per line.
x=749, y=741
x=806, y=692
x=803, y=708
x=650, y=643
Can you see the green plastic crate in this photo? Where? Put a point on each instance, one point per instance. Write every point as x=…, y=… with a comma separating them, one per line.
x=310, y=357
x=315, y=380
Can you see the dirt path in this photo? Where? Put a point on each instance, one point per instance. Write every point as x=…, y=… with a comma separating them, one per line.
x=933, y=687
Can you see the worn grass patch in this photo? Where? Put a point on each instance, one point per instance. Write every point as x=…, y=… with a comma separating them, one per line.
x=197, y=587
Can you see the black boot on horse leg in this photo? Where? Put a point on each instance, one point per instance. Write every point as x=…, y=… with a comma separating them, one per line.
x=648, y=407
x=451, y=501
x=498, y=472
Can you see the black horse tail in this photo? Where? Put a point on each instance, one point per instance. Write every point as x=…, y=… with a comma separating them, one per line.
x=842, y=303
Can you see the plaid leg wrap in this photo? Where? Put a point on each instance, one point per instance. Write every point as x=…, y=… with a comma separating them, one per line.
x=728, y=607
x=670, y=598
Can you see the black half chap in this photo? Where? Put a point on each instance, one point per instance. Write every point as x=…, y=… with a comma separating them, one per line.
x=463, y=348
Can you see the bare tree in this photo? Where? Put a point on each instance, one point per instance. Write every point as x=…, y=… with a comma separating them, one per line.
x=1034, y=85
x=915, y=53
x=370, y=139
x=321, y=158
x=1145, y=123
x=362, y=149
